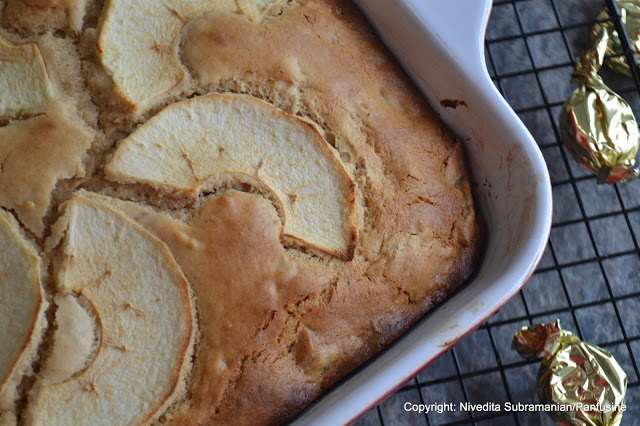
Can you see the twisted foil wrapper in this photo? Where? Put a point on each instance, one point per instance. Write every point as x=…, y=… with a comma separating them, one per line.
x=574, y=373
x=630, y=17
x=596, y=125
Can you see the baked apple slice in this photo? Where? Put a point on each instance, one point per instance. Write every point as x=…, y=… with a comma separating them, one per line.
x=25, y=87
x=77, y=338
x=212, y=140
x=142, y=305
x=138, y=42
x=22, y=309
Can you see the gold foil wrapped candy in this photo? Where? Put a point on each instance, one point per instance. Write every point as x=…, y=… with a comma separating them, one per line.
x=581, y=383
x=596, y=125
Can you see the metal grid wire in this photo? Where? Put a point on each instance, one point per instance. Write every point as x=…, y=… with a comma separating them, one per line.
x=589, y=276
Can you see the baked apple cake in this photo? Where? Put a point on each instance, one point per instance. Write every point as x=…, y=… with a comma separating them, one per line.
x=211, y=210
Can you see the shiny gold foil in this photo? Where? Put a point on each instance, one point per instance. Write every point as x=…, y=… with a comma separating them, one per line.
x=583, y=377
x=596, y=125
x=630, y=17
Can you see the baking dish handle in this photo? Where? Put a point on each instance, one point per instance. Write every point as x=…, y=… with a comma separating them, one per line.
x=460, y=26
x=456, y=26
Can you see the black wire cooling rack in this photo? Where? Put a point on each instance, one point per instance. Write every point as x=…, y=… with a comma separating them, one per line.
x=589, y=277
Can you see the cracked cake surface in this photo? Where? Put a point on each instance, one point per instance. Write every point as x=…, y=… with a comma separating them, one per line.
x=212, y=210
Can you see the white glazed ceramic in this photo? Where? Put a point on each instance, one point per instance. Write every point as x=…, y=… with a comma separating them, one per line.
x=440, y=43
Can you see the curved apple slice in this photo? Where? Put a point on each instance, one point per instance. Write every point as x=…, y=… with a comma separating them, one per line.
x=142, y=304
x=22, y=308
x=137, y=44
x=76, y=339
x=24, y=82
x=194, y=141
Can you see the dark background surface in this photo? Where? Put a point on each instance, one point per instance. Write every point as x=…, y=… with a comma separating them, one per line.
x=589, y=277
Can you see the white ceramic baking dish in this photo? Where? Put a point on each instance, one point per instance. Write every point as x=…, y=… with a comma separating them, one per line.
x=441, y=44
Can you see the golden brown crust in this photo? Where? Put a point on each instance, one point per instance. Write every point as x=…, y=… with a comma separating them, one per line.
x=348, y=84
x=278, y=324
x=417, y=249
x=38, y=16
